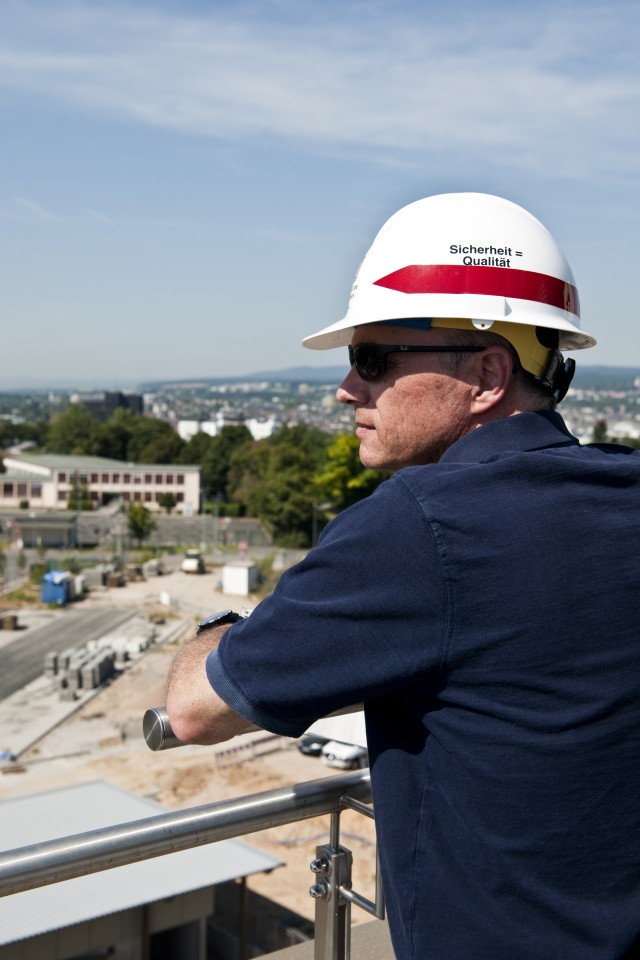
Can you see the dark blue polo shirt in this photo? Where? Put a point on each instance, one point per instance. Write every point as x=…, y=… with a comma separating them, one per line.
x=485, y=609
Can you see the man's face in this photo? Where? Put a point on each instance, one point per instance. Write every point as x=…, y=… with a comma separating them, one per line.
x=416, y=410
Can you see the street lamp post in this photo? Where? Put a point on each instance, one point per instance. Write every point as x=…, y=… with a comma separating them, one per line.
x=203, y=520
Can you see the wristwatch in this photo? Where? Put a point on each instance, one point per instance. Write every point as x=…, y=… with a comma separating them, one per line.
x=218, y=619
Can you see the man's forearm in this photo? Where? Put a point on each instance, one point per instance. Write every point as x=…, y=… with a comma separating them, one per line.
x=196, y=712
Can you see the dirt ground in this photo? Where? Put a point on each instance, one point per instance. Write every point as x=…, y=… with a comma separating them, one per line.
x=103, y=741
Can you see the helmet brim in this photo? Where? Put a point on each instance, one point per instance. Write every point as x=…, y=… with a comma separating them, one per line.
x=340, y=334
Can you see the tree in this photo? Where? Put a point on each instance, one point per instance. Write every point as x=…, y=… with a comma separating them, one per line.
x=215, y=454
x=79, y=498
x=600, y=431
x=247, y=469
x=15, y=433
x=116, y=434
x=275, y=480
x=139, y=439
x=140, y=522
x=196, y=448
x=167, y=501
x=153, y=441
x=74, y=432
x=310, y=440
x=343, y=480
x=164, y=449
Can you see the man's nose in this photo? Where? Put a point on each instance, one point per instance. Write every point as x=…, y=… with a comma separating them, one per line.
x=352, y=389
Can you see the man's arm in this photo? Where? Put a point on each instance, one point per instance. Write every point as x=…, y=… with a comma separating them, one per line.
x=196, y=712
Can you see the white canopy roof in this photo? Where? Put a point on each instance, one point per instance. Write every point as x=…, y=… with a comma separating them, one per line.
x=91, y=806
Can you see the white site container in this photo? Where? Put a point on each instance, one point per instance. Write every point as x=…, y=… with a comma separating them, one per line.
x=239, y=578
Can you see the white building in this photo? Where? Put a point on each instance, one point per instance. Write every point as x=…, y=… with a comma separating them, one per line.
x=46, y=482
x=259, y=428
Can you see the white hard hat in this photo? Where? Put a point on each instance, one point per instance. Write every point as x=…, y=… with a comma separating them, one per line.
x=470, y=256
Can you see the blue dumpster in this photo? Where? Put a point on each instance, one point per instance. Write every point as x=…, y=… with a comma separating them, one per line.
x=57, y=587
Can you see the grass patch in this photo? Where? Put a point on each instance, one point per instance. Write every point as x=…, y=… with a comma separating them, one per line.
x=27, y=596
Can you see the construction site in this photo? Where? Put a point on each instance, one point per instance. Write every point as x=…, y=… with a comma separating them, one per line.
x=79, y=723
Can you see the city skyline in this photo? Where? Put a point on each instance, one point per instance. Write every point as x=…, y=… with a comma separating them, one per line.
x=188, y=189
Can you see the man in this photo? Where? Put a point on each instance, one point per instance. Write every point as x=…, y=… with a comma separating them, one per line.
x=482, y=603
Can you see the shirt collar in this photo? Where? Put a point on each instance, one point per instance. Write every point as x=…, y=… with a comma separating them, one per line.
x=524, y=431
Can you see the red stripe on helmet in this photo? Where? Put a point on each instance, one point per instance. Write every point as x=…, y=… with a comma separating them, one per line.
x=493, y=281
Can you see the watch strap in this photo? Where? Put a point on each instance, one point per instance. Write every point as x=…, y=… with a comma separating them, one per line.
x=218, y=620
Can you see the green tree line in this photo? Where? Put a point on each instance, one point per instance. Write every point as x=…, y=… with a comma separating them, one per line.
x=294, y=481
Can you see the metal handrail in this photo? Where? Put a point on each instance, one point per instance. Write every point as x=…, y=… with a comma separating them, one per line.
x=85, y=853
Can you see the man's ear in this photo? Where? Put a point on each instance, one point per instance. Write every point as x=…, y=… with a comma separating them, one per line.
x=494, y=372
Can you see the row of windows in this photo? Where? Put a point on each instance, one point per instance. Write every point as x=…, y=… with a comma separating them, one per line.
x=22, y=490
x=146, y=497
x=34, y=490
x=107, y=478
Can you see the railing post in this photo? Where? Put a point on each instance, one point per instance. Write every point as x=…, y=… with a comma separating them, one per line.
x=332, y=867
x=332, y=890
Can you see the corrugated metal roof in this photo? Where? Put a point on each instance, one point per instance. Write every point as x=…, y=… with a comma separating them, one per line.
x=90, y=806
x=66, y=461
x=17, y=476
x=61, y=461
x=42, y=518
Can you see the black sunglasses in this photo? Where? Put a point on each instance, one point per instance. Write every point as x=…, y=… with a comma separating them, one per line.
x=370, y=359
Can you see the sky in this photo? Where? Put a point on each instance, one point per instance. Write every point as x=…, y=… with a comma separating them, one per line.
x=187, y=187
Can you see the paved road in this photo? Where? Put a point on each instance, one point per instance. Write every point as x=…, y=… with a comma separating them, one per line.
x=23, y=659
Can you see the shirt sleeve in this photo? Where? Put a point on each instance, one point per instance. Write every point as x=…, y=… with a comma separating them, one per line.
x=362, y=616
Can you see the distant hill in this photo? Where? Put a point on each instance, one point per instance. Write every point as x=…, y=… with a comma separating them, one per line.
x=596, y=377
x=291, y=375
x=605, y=378
x=288, y=375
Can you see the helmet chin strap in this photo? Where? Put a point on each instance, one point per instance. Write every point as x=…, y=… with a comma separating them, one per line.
x=557, y=375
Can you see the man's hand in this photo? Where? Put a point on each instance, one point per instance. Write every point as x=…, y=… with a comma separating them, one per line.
x=196, y=712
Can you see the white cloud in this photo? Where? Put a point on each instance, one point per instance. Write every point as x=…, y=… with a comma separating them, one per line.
x=553, y=85
x=35, y=209
x=99, y=218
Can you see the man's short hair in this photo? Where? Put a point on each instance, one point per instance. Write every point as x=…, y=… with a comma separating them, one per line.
x=535, y=396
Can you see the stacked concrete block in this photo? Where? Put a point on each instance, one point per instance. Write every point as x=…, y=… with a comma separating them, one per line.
x=97, y=576
x=51, y=664
x=64, y=658
x=74, y=670
x=97, y=669
x=126, y=645
x=80, y=669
